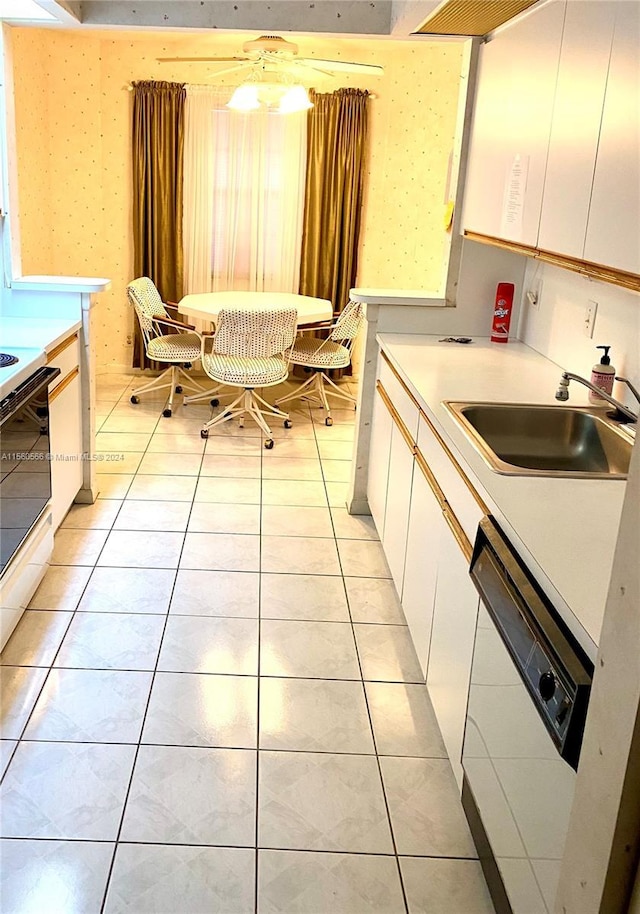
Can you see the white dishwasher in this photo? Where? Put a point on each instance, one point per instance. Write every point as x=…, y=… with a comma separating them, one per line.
x=528, y=697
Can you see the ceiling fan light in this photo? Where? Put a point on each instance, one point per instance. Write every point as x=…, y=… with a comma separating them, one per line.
x=244, y=98
x=294, y=99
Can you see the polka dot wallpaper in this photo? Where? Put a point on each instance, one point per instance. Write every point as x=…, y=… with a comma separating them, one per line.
x=73, y=115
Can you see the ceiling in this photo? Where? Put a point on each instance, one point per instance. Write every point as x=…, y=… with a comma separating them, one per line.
x=390, y=18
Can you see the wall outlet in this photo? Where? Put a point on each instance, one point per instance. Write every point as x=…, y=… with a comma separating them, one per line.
x=590, y=318
x=129, y=340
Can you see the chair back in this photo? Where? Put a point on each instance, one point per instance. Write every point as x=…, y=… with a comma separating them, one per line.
x=349, y=322
x=254, y=334
x=146, y=300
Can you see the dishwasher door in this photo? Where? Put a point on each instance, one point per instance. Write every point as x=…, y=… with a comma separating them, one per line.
x=527, y=704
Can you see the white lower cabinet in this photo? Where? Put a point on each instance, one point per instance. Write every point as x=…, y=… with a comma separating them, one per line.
x=65, y=435
x=426, y=528
x=455, y=614
x=394, y=539
x=381, y=425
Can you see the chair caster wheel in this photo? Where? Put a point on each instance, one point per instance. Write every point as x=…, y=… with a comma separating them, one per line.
x=214, y=402
x=178, y=389
x=288, y=423
x=166, y=413
x=204, y=432
x=328, y=421
x=268, y=443
x=135, y=399
x=227, y=414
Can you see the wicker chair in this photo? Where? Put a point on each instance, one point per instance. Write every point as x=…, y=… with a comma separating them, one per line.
x=180, y=349
x=322, y=355
x=250, y=350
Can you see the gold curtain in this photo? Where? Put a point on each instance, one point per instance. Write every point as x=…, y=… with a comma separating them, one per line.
x=158, y=141
x=337, y=136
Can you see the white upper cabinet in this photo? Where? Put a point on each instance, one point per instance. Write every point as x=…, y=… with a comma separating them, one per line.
x=511, y=127
x=613, y=233
x=575, y=128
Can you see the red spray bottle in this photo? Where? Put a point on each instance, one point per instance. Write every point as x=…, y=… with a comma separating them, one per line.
x=502, y=312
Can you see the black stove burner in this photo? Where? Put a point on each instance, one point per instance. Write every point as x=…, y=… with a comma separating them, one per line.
x=6, y=359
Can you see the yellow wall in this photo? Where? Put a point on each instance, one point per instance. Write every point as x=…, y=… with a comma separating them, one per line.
x=73, y=118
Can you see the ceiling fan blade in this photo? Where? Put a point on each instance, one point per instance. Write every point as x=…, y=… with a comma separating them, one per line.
x=306, y=65
x=342, y=66
x=240, y=66
x=198, y=59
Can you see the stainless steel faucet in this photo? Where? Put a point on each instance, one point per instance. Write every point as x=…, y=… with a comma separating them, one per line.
x=622, y=412
x=634, y=390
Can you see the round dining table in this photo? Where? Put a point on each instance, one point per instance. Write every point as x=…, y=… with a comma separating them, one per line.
x=207, y=305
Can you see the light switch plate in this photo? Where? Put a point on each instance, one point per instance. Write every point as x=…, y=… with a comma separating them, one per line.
x=590, y=318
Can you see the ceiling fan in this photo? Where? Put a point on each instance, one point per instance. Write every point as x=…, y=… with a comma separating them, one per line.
x=271, y=52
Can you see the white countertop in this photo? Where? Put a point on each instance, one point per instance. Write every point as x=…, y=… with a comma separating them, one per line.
x=61, y=283
x=421, y=297
x=30, y=339
x=568, y=527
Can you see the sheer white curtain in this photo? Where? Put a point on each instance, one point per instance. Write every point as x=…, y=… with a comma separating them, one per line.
x=244, y=176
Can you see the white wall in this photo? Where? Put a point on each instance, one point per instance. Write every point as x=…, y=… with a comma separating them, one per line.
x=555, y=327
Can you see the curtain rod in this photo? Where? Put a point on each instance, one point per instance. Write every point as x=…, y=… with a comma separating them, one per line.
x=129, y=87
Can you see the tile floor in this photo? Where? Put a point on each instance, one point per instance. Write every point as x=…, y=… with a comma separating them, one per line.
x=212, y=703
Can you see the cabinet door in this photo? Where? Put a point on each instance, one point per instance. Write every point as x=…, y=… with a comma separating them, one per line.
x=512, y=118
x=396, y=519
x=65, y=435
x=381, y=424
x=614, y=214
x=450, y=654
x=426, y=528
x=577, y=112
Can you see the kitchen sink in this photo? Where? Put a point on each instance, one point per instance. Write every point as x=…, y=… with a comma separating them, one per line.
x=530, y=440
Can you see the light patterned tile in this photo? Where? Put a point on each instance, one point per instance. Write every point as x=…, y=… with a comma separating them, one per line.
x=154, y=516
x=293, y=492
x=119, y=421
x=301, y=468
x=374, y=600
x=336, y=470
x=238, y=466
x=170, y=464
x=98, y=516
x=61, y=587
x=198, y=709
x=216, y=593
x=118, y=462
x=287, y=520
x=122, y=441
x=59, y=877
x=65, y=790
x=425, y=808
x=314, y=715
x=337, y=493
x=148, y=879
x=99, y=706
x=78, y=547
x=303, y=882
x=221, y=552
x=19, y=689
x=320, y=801
x=113, y=485
x=336, y=432
x=386, y=653
x=363, y=559
x=320, y=598
x=330, y=449
x=293, y=447
x=316, y=650
x=192, y=796
x=7, y=747
x=231, y=429
x=128, y=590
x=199, y=644
x=162, y=488
x=403, y=720
x=128, y=549
x=175, y=443
x=104, y=641
x=299, y=555
x=36, y=638
x=228, y=491
x=353, y=526
x=340, y=416
x=233, y=445
x=445, y=885
x=209, y=517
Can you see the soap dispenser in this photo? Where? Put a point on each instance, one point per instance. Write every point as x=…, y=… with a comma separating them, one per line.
x=602, y=375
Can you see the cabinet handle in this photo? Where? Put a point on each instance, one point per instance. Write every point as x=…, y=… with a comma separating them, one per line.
x=64, y=383
x=459, y=535
x=61, y=347
x=395, y=415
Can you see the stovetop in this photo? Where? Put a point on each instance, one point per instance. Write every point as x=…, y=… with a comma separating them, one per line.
x=28, y=360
